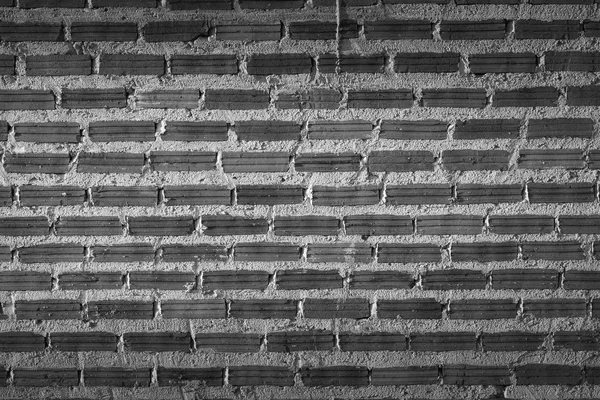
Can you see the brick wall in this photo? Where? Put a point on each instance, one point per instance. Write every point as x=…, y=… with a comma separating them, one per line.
x=290, y=199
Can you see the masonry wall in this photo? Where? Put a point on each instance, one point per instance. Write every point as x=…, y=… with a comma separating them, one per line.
x=282, y=199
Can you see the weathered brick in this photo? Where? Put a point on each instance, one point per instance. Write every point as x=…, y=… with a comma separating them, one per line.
x=236, y=99
x=249, y=32
x=524, y=278
x=39, y=32
x=577, y=341
x=339, y=130
x=476, y=375
x=339, y=252
x=88, y=226
x=513, y=341
x=375, y=225
x=381, y=280
x=572, y=61
x=419, y=194
x=327, y=162
x=175, y=31
x=235, y=280
x=337, y=308
x=45, y=377
x=132, y=64
x=557, y=29
x=498, y=63
x=222, y=225
x=31, y=163
x=255, y=375
x=125, y=3
x=475, y=129
x=91, y=281
x=592, y=375
x=300, y=341
x=219, y=64
x=350, y=63
x=263, y=309
x=60, y=65
x=266, y=251
x=475, y=160
x=122, y=131
x=560, y=127
x=211, y=131
x=21, y=342
x=48, y=132
x=583, y=96
x=527, y=97
x=104, y=31
x=308, y=279
x=267, y=130
x=52, y=3
x=52, y=253
x=521, y=224
x=84, y=341
x=24, y=226
x=200, y=4
x=185, y=376
x=306, y=225
x=106, y=163
x=551, y=158
x=119, y=377
x=157, y=341
x=372, y=342
x=426, y=62
x=31, y=195
x=581, y=280
x=94, y=98
x=119, y=309
x=25, y=280
x=7, y=64
x=473, y=30
x=408, y=253
x=183, y=160
x=269, y=194
x=317, y=99
x=48, y=309
x=161, y=226
x=345, y=195
x=228, y=342
x=279, y=64
x=555, y=308
x=565, y=250
x=482, y=309
x=443, y=341
x=410, y=309
x=398, y=29
x=344, y=3
x=312, y=30
x=271, y=4
x=484, y=251
x=400, y=161
x=450, y=224
x=6, y=254
x=4, y=127
x=548, y=374
x=6, y=196
x=197, y=195
x=193, y=309
x=185, y=98
x=335, y=376
x=199, y=252
x=399, y=98
x=453, y=279
x=481, y=194
x=413, y=375
x=451, y=97
x=108, y=196
x=574, y=192
x=163, y=280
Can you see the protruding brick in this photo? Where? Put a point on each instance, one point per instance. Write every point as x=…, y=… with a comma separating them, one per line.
x=94, y=98
x=52, y=253
x=476, y=375
x=24, y=226
x=475, y=160
x=443, y=341
x=327, y=162
x=290, y=341
x=88, y=226
x=449, y=224
x=557, y=29
x=157, y=341
x=186, y=98
x=398, y=29
x=108, y=196
x=473, y=30
x=106, y=163
x=400, y=161
x=484, y=252
x=475, y=129
x=193, y=309
x=48, y=132
x=581, y=280
x=408, y=253
x=104, y=31
x=572, y=61
x=266, y=251
x=574, y=192
x=6, y=196
x=45, y=377
x=339, y=252
x=7, y=64
x=131, y=252
x=564, y=250
x=21, y=342
x=308, y=279
x=577, y=341
x=453, y=279
x=122, y=131
x=583, y=96
x=125, y=3
x=410, y=309
x=548, y=374
x=26, y=31
x=228, y=342
x=235, y=280
x=312, y=30
x=84, y=341
x=399, y=98
x=271, y=162
x=200, y=252
x=271, y=4
x=340, y=130
x=91, y=281
x=236, y=99
x=269, y=194
x=314, y=99
x=263, y=309
x=210, y=131
x=52, y=3
x=375, y=225
x=513, y=341
x=59, y=65
x=335, y=376
x=48, y=309
x=560, y=127
x=249, y=32
x=161, y=226
x=426, y=62
x=120, y=309
x=267, y=130
x=494, y=194
x=201, y=4
x=163, y=280
x=279, y=64
x=459, y=98
x=555, y=308
x=372, y=342
x=222, y=225
x=25, y=281
x=255, y=375
x=345, y=195
x=183, y=160
x=337, y=308
x=482, y=309
x=551, y=158
x=527, y=97
x=175, y=31
x=185, y=376
x=521, y=224
x=40, y=163
x=132, y=64
x=197, y=195
x=381, y=280
x=419, y=194
x=218, y=64
x=306, y=225
x=350, y=63
x=119, y=377
x=413, y=375
x=524, y=278
x=500, y=63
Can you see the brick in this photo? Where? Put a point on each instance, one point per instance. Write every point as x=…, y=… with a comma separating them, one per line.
x=210, y=131
x=108, y=196
x=279, y=64
x=234, y=99
x=592, y=375
x=52, y=253
x=513, y=341
x=581, y=280
x=353, y=308
x=24, y=226
x=157, y=341
x=309, y=279
x=557, y=29
x=122, y=131
x=335, y=376
x=453, y=279
x=398, y=29
x=536, y=2
x=317, y=99
x=484, y=252
x=48, y=132
x=94, y=98
x=31, y=195
x=400, y=161
x=31, y=163
x=595, y=308
x=548, y=374
x=482, y=194
x=132, y=64
x=197, y=195
x=222, y=225
x=196, y=253
x=401, y=98
x=104, y=31
x=106, y=163
x=267, y=130
x=306, y=225
x=7, y=65
x=91, y=281
x=459, y=98
x=263, y=309
x=265, y=251
x=524, y=278
x=577, y=341
x=249, y=32
x=228, y=342
x=426, y=62
x=312, y=30
x=88, y=226
x=161, y=226
x=555, y=308
x=291, y=341
x=482, y=309
x=475, y=129
x=339, y=252
x=372, y=342
x=52, y=3
x=45, y=377
x=560, y=127
x=476, y=375
x=572, y=61
x=219, y=64
x=475, y=160
x=565, y=250
x=193, y=309
x=125, y=3
x=408, y=253
x=451, y=224
x=574, y=192
x=381, y=280
x=175, y=31
x=235, y=280
x=340, y=130
x=443, y=341
x=185, y=376
x=84, y=341
x=527, y=97
x=327, y=162
x=21, y=342
x=419, y=194
x=350, y=63
x=345, y=195
x=180, y=161
x=119, y=377
x=551, y=158
x=269, y=194
x=6, y=196
x=409, y=309
x=163, y=280
x=375, y=225
x=200, y=5
x=26, y=100
x=185, y=98
x=119, y=309
x=39, y=32
x=48, y=309
x=344, y=3
x=499, y=63
x=271, y=4
x=25, y=280
x=4, y=128
x=58, y=65
x=583, y=96
x=412, y=375
x=473, y=30
x=255, y=375
x=521, y=224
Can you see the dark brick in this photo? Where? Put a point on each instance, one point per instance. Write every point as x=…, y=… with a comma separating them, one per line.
x=581, y=280
x=24, y=226
x=263, y=309
x=52, y=253
x=555, y=308
x=185, y=376
x=521, y=224
x=228, y=342
x=222, y=225
x=291, y=341
x=572, y=61
x=443, y=341
x=175, y=31
x=125, y=3
x=317, y=99
x=6, y=196
x=256, y=375
x=419, y=194
x=473, y=30
x=344, y=3
x=401, y=161
x=104, y=31
x=39, y=32
x=106, y=163
x=25, y=280
x=476, y=375
x=132, y=64
x=235, y=280
x=327, y=162
x=163, y=280
x=161, y=226
x=48, y=132
x=59, y=65
x=408, y=253
x=4, y=128
x=484, y=251
x=592, y=375
x=409, y=309
x=45, y=377
x=513, y=341
x=527, y=97
x=316, y=30
x=565, y=250
x=451, y=97
x=94, y=98
x=551, y=158
x=306, y=225
x=398, y=29
x=264, y=251
x=499, y=63
x=524, y=278
x=560, y=127
x=482, y=309
x=48, y=309
x=91, y=281
x=591, y=28
x=108, y=196
x=201, y=4
x=475, y=129
x=381, y=280
x=372, y=342
x=574, y=192
x=88, y=226
x=234, y=99
x=350, y=63
x=31, y=163
x=548, y=374
x=183, y=160
x=412, y=375
x=335, y=376
x=193, y=309
x=157, y=341
x=340, y=130
x=210, y=131
x=345, y=195
x=14, y=341
x=219, y=64
x=267, y=130
x=271, y=4
x=557, y=29
x=195, y=253
x=453, y=279
x=577, y=341
x=50, y=195
x=339, y=252
x=185, y=98
x=376, y=225
x=119, y=309
x=269, y=194
x=426, y=62
x=450, y=224
x=583, y=96
x=197, y=195
x=122, y=131
x=308, y=279
x=119, y=377
x=52, y=3
x=84, y=341
x=241, y=162
x=353, y=308
x=249, y=32
x=7, y=64
x=400, y=98
x=475, y=160
x=279, y=64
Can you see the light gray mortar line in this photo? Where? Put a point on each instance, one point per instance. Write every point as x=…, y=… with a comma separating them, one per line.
x=9, y=308
x=510, y=30
x=192, y=335
x=488, y=280
x=435, y=33
x=20, y=65
x=226, y=376
x=120, y=343
x=16, y=195
x=383, y=191
x=541, y=62
x=520, y=308
x=89, y=4
x=157, y=308
x=590, y=307
x=300, y=310
x=96, y=65
x=373, y=310
x=11, y=376
x=336, y=338
x=200, y=280
x=160, y=197
x=375, y=253
x=127, y=280
x=303, y=253
x=66, y=29
x=154, y=372
x=227, y=308
x=54, y=281
x=446, y=309
x=338, y=36
x=219, y=162
x=464, y=67
x=80, y=377
x=168, y=66
x=561, y=277
x=346, y=281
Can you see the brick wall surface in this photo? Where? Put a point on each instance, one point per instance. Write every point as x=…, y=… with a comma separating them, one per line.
x=299, y=199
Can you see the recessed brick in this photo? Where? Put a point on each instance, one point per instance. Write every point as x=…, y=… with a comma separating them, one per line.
x=475, y=129
x=473, y=30
x=408, y=253
x=249, y=32
x=443, y=341
x=513, y=341
x=557, y=29
x=58, y=65
x=104, y=31
x=219, y=64
x=522, y=278
x=352, y=308
x=398, y=29
x=410, y=309
x=132, y=64
x=256, y=375
x=39, y=32
x=175, y=31
x=185, y=376
x=413, y=375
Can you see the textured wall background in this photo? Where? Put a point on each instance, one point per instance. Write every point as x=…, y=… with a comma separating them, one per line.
x=299, y=200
